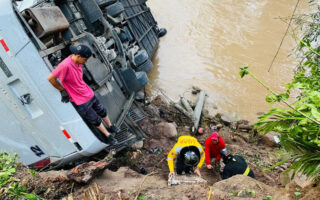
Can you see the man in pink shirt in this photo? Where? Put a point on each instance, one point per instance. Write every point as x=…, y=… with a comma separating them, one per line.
x=74, y=89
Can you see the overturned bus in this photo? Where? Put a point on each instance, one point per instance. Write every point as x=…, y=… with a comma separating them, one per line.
x=123, y=37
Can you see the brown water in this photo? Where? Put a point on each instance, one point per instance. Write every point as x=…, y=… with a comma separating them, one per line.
x=207, y=42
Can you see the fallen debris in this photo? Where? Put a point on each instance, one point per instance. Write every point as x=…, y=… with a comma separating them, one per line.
x=198, y=110
x=186, y=104
x=185, y=179
x=183, y=111
x=87, y=171
x=92, y=193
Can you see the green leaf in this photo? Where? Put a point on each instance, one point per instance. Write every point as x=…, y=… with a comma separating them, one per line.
x=282, y=97
x=143, y=197
x=315, y=113
x=298, y=194
x=31, y=197
x=32, y=172
x=243, y=71
x=12, y=170
x=267, y=197
x=271, y=98
x=23, y=188
x=251, y=192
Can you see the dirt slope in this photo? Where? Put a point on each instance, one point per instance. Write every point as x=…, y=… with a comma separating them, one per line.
x=124, y=177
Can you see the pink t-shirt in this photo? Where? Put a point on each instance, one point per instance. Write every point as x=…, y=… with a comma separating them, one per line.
x=70, y=74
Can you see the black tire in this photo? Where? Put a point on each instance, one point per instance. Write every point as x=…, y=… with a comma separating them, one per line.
x=123, y=37
x=162, y=32
x=115, y=9
x=104, y=3
x=142, y=79
x=129, y=35
x=141, y=57
x=142, y=1
x=145, y=67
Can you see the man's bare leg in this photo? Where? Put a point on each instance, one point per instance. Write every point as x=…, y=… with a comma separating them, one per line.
x=103, y=130
x=107, y=121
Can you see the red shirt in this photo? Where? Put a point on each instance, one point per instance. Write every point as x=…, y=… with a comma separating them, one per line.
x=213, y=150
x=70, y=75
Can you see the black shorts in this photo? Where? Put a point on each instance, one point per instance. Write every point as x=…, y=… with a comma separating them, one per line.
x=92, y=111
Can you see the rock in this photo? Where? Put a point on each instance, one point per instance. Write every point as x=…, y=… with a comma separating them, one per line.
x=137, y=145
x=226, y=120
x=269, y=139
x=245, y=128
x=165, y=129
x=284, y=178
x=302, y=180
x=214, y=106
x=195, y=90
x=147, y=125
x=153, y=111
x=245, y=122
x=225, y=135
x=219, y=126
x=299, y=179
x=205, y=112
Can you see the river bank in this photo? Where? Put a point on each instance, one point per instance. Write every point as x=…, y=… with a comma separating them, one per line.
x=142, y=170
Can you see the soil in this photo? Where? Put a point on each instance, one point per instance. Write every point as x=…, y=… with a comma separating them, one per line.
x=142, y=174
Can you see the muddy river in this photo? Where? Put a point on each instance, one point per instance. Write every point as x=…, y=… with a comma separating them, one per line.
x=207, y=42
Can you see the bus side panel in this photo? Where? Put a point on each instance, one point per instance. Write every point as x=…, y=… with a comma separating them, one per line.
x=56, y=114
x=15, y=137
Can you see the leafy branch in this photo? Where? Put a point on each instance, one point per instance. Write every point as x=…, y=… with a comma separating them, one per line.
x=274, y=97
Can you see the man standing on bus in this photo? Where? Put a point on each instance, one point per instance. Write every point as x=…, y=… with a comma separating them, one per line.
x=74, y=89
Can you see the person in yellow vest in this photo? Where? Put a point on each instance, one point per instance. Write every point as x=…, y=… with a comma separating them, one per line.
x=189, y=155
x=234, y=165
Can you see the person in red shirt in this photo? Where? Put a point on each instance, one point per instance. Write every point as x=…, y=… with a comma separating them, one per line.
x=213, y=145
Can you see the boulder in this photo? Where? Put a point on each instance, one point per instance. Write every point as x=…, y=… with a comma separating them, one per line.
x=137, y=145
x=284, y=178
x=270, y=139
x=147, y=125
x=226, y=120
x=165, y=129
x=299, y=179
x=225, y=135
x=153, y=111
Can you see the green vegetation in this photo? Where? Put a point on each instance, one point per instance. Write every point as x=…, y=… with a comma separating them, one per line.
x=233, y=193
x=8, y=167
x=143, y=197
x=267, y=197
x=299, y=125
x=8, y=185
